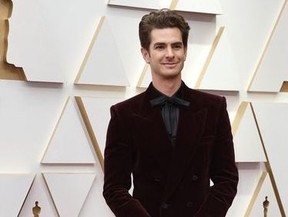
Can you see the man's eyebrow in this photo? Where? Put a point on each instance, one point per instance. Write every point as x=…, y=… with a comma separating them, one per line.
x=164, y=43
x=159, y=43
x=178, y=43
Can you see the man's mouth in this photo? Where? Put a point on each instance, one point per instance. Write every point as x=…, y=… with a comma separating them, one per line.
x=169, y=64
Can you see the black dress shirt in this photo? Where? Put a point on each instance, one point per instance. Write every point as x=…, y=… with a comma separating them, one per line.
x=170, y=111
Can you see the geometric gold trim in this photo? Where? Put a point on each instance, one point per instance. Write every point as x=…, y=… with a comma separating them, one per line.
x=284, y=87
x=59, y=152
x=90, y=131
x=256, y=193
x=210, y=55
x=269, y=169
x=87, y=55
x=54, y=130
x=251, y=80
x=173, y=4
x=50, y=194
x=27, y=195
x=142, y=76
x=239, y=115
x=75, y=186
x=274, y=185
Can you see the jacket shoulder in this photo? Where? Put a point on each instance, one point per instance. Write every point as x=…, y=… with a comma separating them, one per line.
x=130, y=103
x=202, y=98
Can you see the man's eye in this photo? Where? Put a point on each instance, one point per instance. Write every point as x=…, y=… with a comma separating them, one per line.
x=159, y=47
x=178, y=46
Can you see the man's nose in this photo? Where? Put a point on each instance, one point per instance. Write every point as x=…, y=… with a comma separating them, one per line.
x=169, y=52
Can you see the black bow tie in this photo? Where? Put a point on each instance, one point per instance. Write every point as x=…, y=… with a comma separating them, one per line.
x=170, y=113
x=162, y=100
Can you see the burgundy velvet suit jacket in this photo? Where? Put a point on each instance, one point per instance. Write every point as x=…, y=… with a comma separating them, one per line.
x=167, y=181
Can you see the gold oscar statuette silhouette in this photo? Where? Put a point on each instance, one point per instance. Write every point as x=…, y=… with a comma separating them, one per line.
x=265, y=206
x=36, y=210
x=7, y=70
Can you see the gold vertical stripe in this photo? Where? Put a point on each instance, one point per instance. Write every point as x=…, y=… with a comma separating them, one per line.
x=55, y=128
x=88, y=53
x=26, y=196
x=142, y=76
x=269, y=169
x=284, y=87
x=266, y=47
x=255, y=195
x=50, y=193
x=90, y=131
x=210, y=55
x=173, y=4
x=239, y=115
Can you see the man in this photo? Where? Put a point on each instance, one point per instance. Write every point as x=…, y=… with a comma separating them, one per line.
x=172, y=139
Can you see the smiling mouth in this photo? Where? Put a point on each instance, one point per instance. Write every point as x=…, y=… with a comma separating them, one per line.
x=169, y=64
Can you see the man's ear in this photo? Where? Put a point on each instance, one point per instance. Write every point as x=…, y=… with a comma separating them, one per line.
x=145, y=54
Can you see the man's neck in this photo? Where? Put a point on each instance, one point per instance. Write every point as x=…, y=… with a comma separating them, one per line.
x=169, y=88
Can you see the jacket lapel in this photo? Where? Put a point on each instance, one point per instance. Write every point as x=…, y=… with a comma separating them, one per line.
x=149, y=121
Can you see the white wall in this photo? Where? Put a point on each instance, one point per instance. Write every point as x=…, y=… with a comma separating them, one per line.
x=80, y=57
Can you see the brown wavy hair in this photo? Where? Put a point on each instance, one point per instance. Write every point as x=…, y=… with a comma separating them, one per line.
x=161, y=19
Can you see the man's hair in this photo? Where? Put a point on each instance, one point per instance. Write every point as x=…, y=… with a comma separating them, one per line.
x=161, y=19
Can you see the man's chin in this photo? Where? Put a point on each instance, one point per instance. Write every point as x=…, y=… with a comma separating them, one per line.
x=172, y=76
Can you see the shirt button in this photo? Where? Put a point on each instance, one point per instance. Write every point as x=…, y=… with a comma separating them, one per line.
x=165, y=205
x=189, y=204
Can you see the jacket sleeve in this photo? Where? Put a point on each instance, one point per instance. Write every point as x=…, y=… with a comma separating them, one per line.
x=223, y=170
x=117, y=169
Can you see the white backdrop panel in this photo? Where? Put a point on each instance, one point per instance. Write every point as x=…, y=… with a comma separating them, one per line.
x=200, y=6
x=28, y=114
x=274, y=63
x=248, y=30
x=102, y=64
x=249, y=174
x=70, y=142
x=69, y=191
x=247, y=141
x=40, y=193
x=98, y=110
x=266, y=190
x=272, y=119
x=222, y=70
x=50, y=38
x=18, y=186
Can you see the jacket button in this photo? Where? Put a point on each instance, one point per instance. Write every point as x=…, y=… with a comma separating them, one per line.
x=189, y=204
x=165, y=205
x=194, y=177
x=157, y=180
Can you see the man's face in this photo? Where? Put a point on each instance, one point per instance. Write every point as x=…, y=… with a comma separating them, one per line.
x=166, y=54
